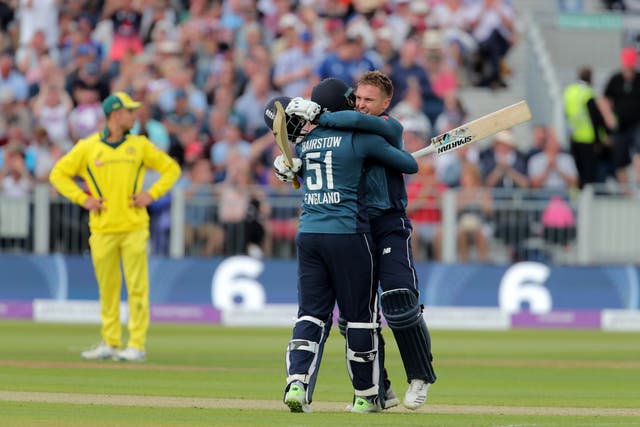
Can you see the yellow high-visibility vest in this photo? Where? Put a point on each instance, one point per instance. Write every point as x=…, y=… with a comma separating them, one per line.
x=576, y=96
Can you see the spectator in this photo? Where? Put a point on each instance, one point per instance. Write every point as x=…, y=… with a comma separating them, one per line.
x=231, y=141
x=179, y=121
x=51, y=74
x=424, y=191
x=80, y=38
x=558, y=222
x=153, y=129
x=16, y=180
x=226, y=77
x=52, y=108
x=282, y=226
x=29, y=58
x=46, y=154
x=289, y=27
x=539, y=136
x=475, y=207
x=492, y=24
x=294, y=66
x=400, y=20
x=249, y=106
x=409, y=110
x=87, y=116
x=6, y=15
x=194, y=148
x=552, y=169
x=126, y=20
x=242, y=209
x=453, y=115
x=384, y=48
x=90, y=76
x=12, y=79
x=440, y=68
x=503, y=165
x=450, y=17
x=347, y=62
x=13, y=114
x=504, y=170
x=203, y=235
x=451, y=166
x=180, y=84
x=587, y=130
x=407, y=66
x=76, y=54
x=34, y=16
x=621, y=110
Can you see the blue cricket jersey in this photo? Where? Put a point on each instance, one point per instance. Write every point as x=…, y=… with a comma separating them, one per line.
x=385, y=190
x=333, y=178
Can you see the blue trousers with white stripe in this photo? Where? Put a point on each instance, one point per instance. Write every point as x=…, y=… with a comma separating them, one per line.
x=335, y=268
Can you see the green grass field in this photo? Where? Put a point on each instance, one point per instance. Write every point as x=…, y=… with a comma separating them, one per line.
x=214, y=376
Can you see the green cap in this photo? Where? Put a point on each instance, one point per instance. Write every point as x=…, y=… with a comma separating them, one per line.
x=117, y=101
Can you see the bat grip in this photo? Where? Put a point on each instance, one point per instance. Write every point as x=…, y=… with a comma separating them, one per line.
x=295, y=183
x=424, y=151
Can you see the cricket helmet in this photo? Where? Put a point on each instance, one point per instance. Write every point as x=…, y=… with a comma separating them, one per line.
x=333, y=95
x=295, y=124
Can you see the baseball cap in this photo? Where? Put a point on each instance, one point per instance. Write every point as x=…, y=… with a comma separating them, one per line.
x=629, y=57
x=117, y=101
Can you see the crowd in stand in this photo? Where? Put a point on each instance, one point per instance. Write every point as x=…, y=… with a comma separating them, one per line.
x=204, y=69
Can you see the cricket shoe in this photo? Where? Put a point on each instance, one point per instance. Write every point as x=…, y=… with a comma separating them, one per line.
x=416, y=394
x=130, y=354
x=366, y=405
x=100, y=351
x=390, y=399
x=296, y=398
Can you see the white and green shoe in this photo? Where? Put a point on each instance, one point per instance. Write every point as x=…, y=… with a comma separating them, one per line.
x=296, y=398
x=366, y=405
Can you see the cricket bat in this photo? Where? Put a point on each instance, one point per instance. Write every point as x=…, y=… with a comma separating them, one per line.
x=477, y=129
x=282, y=138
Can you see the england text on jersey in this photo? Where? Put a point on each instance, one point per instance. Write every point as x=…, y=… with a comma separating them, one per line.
x=322, y=198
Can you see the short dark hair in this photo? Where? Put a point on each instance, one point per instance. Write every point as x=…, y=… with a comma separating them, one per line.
x=584, y=74
x=378, y=79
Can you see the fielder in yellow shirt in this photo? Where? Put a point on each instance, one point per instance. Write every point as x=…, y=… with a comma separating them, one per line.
x=112, y=164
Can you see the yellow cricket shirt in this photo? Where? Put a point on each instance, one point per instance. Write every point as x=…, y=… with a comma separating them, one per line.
x=114, y=172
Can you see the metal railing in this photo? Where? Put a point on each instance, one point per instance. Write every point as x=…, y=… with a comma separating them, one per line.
x=605, y=227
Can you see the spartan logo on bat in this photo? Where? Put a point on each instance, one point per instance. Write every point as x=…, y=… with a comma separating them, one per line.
x=451, y=145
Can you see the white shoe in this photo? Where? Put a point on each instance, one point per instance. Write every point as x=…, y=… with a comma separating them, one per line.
x=416, y=394
x=99, y=352
x=130, y=354
x=391, y=399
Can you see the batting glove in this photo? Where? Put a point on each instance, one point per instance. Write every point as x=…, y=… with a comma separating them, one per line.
x=304, y=108
x=283, y=172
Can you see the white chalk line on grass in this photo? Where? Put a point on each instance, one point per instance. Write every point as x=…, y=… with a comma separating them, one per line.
x=215, y=403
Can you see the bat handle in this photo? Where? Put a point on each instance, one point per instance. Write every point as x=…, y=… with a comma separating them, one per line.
x=424, y=151
x=295, y=183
